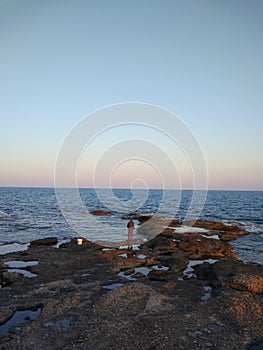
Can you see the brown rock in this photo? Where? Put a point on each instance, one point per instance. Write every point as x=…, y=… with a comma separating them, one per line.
x=217, y=225
x=227, y=236
x=99, y=212
x=173, y=223
x=247, y=282
x=208, y=247
x=245, y=310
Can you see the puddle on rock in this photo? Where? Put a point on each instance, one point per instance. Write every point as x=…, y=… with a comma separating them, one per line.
x=12, y=248
x=113, y=286
x=143, y=270
x=85, y=274
x=185, y=229
x=207, y=294
x=18, y=265
x=25, y=273
x=63, y=323
x=58, y=244
x=212, y=236
x=188, y=272
x=123, y=255
x=20, y=317
x=141, y=256
x=128, y=277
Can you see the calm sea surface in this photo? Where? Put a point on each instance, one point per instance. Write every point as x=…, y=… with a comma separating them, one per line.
x=31, y=213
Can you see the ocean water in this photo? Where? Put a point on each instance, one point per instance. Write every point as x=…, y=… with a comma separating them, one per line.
x=31, y=213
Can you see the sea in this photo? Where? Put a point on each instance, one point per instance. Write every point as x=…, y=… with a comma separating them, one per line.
x=31, y=213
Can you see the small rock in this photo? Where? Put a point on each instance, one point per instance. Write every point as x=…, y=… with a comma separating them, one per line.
x=99, y=212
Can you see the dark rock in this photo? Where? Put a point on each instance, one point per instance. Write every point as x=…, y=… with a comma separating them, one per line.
x=159, y=275
x=45, y=241
x=140, y=217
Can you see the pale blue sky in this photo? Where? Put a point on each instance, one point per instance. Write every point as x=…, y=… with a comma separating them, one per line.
x=62, y=59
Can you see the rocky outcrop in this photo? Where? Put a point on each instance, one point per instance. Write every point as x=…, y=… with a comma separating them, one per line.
x=93, y=297
x=226, y=231
x=206, y=247
x=45, y=241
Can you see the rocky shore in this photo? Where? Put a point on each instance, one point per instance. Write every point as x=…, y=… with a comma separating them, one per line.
x=180, y=290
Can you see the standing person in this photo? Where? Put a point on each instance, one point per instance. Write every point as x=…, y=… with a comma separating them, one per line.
x=130, y=227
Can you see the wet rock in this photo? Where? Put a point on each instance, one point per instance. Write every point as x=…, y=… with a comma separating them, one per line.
x=100, y=212
x=216, y=225
x=247, y=282
x=231, y=235
x=44, y=241
x=125, y=258
x=226, y=231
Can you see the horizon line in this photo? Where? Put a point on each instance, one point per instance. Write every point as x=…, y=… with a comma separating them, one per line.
x=142, y=189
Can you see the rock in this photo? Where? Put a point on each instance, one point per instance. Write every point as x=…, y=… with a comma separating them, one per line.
x=170, y=285
x=138, y=275
x=168, y=232
x=174, y=223
x=207, y=247
x=247, y=282
x=215, y=225
x=87, y=306
x=129, y=271
x=231, y=235
x=165, y=245
x=10, y=277
x=99, y=212
x=245, y=310
x=135, y=216
x=225, y=231
x=44, y=241
x=124, y=258
x=159, y=275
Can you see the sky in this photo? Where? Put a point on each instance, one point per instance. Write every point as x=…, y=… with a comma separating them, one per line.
x=62, y=60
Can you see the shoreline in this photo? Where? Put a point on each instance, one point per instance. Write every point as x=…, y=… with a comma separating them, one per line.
x=179, y=290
